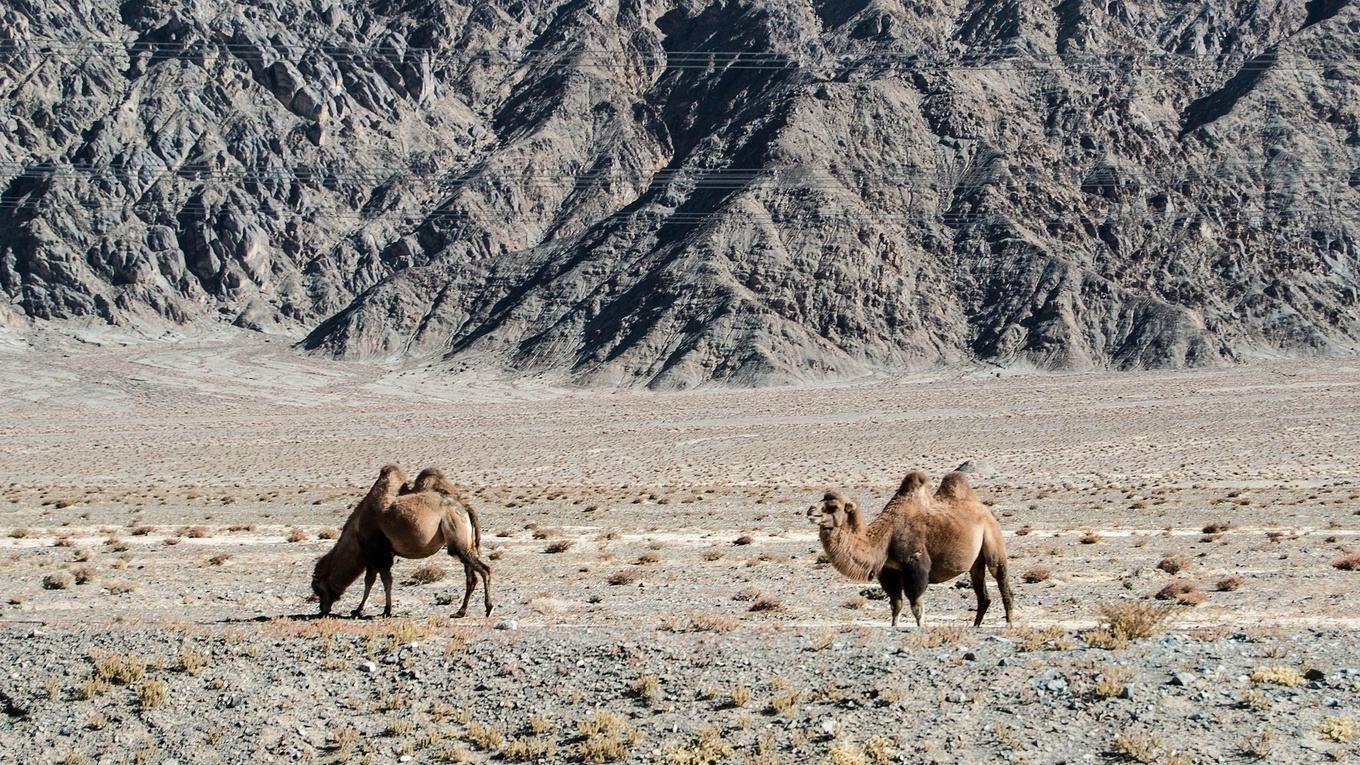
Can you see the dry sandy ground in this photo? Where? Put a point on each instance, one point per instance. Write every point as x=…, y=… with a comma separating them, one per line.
x=169, y=476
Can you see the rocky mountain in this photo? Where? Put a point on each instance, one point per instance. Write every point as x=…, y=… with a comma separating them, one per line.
x=671, y=193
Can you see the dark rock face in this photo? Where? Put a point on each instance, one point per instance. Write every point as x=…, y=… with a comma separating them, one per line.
x=672, y=193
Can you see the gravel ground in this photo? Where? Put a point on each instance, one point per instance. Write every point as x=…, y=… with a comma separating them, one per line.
x=156, y=609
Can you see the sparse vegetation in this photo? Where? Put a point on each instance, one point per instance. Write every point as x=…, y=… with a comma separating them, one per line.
x=428, y=574
x=1037, y=574
x=1347, y=563
x=1288, y=677
x=1183, y=592
x=558, y=546
x=606, y=737
x=151, y=693
x=1340, y=729
x=1133, y=620
x=58, y=580
x=1173, y=564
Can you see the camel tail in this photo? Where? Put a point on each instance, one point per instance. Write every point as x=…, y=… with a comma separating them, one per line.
x=476, y=527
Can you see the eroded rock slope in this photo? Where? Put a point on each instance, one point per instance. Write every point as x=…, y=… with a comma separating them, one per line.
x=670, y=193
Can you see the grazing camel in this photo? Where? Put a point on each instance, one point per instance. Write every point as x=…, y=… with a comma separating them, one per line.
x=413, y=523
x=917, y=540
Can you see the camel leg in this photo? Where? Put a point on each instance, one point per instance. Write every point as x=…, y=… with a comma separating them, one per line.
x=892, y=584
x=470, y=575
x=915, y=578
x=1003, y=583
x=485, y=571
x=386, y=574
x=979, y=576
x=370, y=574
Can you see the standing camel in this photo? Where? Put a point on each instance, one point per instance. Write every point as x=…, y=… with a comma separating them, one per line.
x=917, y=540
x=393, y=521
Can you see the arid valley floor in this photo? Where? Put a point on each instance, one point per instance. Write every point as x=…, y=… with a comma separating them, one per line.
x=660, y=596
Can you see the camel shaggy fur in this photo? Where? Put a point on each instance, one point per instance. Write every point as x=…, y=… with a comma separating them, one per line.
x=917, y=540
x=394, y=520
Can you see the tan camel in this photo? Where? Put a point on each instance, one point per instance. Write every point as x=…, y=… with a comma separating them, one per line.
x=413, y=523
x=917, y=540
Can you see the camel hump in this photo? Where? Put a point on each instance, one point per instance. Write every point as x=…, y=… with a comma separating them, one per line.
x=955, y=486
x=914, y=482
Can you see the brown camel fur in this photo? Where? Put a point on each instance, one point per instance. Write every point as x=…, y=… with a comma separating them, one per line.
x=411, y=523
x=917, y=540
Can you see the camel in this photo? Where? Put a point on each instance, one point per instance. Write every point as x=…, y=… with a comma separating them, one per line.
x=411, y=522
x=917, y=540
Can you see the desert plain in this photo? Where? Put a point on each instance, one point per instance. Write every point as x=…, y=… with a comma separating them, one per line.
x=660, y=595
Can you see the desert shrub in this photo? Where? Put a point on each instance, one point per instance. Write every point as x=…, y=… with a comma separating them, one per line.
x=766, y=602
x=296, y=535
x=1037, y=574
x=1173, y=564
x=58, y=580
x=1347, y=563
x=1230, y=583
x=647, y=559
x=151, y=693
x=744, y=539
x=1112, y=682
x=1135, y=620
x=558, y=546
x=622, y=577
x=1181, y=591
x=1288, y=677
x=428, y=574
x=606, y=737
x=648, y=688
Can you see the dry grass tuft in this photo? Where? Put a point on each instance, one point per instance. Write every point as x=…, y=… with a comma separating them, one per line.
x=1347, y=563
x=119, y=668
x=648, y=688
x=1173, y=564
x=1112, y=682
x=1340, y=729
x=764, y=602
x=558, y=546
x=328, y=534
x=707, y=748
x=1183, y=592
x=1089, y=538
x=846, y=752
x=744, y=539
x=1285, y=676
x=935, y=637
x=1037, y=574
x=739, y=697
x=606, y=737
x=1229, y=584
x=1046, y=639
x=58, y=580
x=619, y=578
x=1137, y=747
x=192, y=661
x=151, y=693
x=1135, y=620
x=428, y=574
x=647, y=559
x=296, y=535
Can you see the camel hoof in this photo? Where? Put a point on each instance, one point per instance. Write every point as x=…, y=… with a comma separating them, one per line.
x=356, y=614
x=490, y=609
x=460, y=614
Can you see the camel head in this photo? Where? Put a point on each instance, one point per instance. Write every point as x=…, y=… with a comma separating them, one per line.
x=833, y=512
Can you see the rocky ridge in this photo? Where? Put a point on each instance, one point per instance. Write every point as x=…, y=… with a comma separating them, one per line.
x=673, y=193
